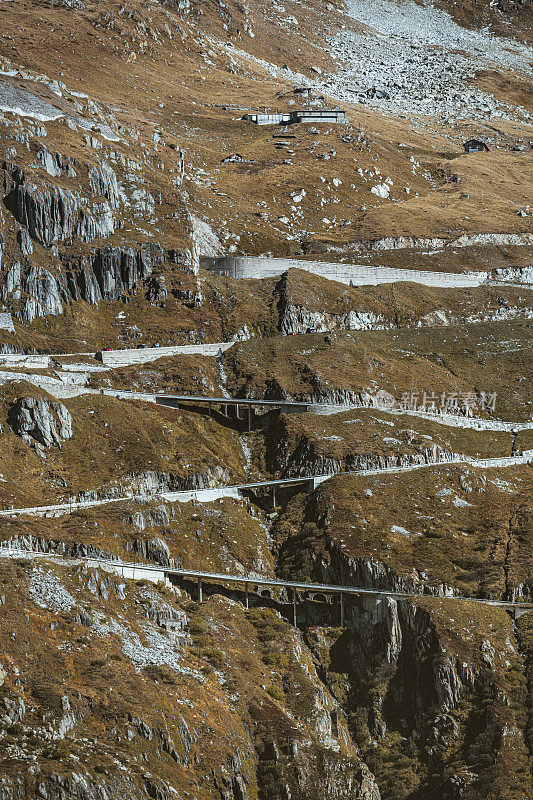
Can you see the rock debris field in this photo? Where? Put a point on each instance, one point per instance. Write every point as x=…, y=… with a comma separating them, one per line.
x=420, y=62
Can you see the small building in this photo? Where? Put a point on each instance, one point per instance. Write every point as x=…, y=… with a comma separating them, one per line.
x=326, y=115
x=267, y=119
x=475, y=146
x=310, y=115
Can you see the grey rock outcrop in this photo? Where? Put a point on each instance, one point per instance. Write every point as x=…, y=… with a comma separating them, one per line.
x=296, y=318
x=39, y=290
x=55, y=164
x=104, y=182
x=1, y=236
x=36, y=419
x=119, y=270
x=108, y=273
x=13, y=711
x=44, y=295
x=52, y=214
x=157, y=289
x=6, y=322
x=39, y=544
x=513, y=275
x=25, y=243
x=303, y=458
x=155, y=550
x=150, y=482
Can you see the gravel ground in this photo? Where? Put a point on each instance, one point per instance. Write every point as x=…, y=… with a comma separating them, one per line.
x=419, y=62
x=47, y=591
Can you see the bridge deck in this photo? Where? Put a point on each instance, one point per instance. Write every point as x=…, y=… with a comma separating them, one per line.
x=240, y=401
x=254, y=580
x=333, y=588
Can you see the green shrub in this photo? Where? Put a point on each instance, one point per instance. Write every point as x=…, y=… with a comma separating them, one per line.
x=299, y=691
x=161, y=673
x=198, y=627
x=276, y=692
x=270, y=781
x=49, y=695
x=215, y=657
x=275, y=657
x=60, y=751
x=15, y=730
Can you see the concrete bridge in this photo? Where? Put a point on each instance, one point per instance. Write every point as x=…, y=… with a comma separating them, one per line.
x=315, y=407
x=182, y=496
x=255, y=588
x=223, y=404
x=307, y=482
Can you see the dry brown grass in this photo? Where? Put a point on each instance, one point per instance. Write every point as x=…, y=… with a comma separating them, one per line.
x=467, y=528
x=112, y=442
x=490, y=357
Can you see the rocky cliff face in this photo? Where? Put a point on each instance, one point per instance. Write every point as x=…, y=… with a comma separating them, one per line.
x=289, y=741
x=124, y=161
x=288, y=457
x=40, y=422
x=410, y=684
x=296, y=318
x=111, y=273
x=52, y=214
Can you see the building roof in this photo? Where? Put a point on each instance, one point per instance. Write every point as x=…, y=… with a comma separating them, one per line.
x=319, y=111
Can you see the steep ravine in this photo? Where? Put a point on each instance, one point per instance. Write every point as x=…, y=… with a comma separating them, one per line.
x=412, y=689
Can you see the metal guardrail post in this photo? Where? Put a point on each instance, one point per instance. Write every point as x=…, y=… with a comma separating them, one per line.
x=273, y=497
x=200, y=593
x=294, y=607
x=246, y=600
x=342, y=609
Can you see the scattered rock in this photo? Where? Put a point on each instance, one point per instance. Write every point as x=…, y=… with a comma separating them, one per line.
x=235, y=158
x=381, y=190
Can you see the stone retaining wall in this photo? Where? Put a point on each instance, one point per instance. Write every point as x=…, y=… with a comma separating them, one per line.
x=23, y=360
x=125, y=358
x=355, y=274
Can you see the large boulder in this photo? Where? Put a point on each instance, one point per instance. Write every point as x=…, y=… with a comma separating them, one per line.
x=39, y=420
